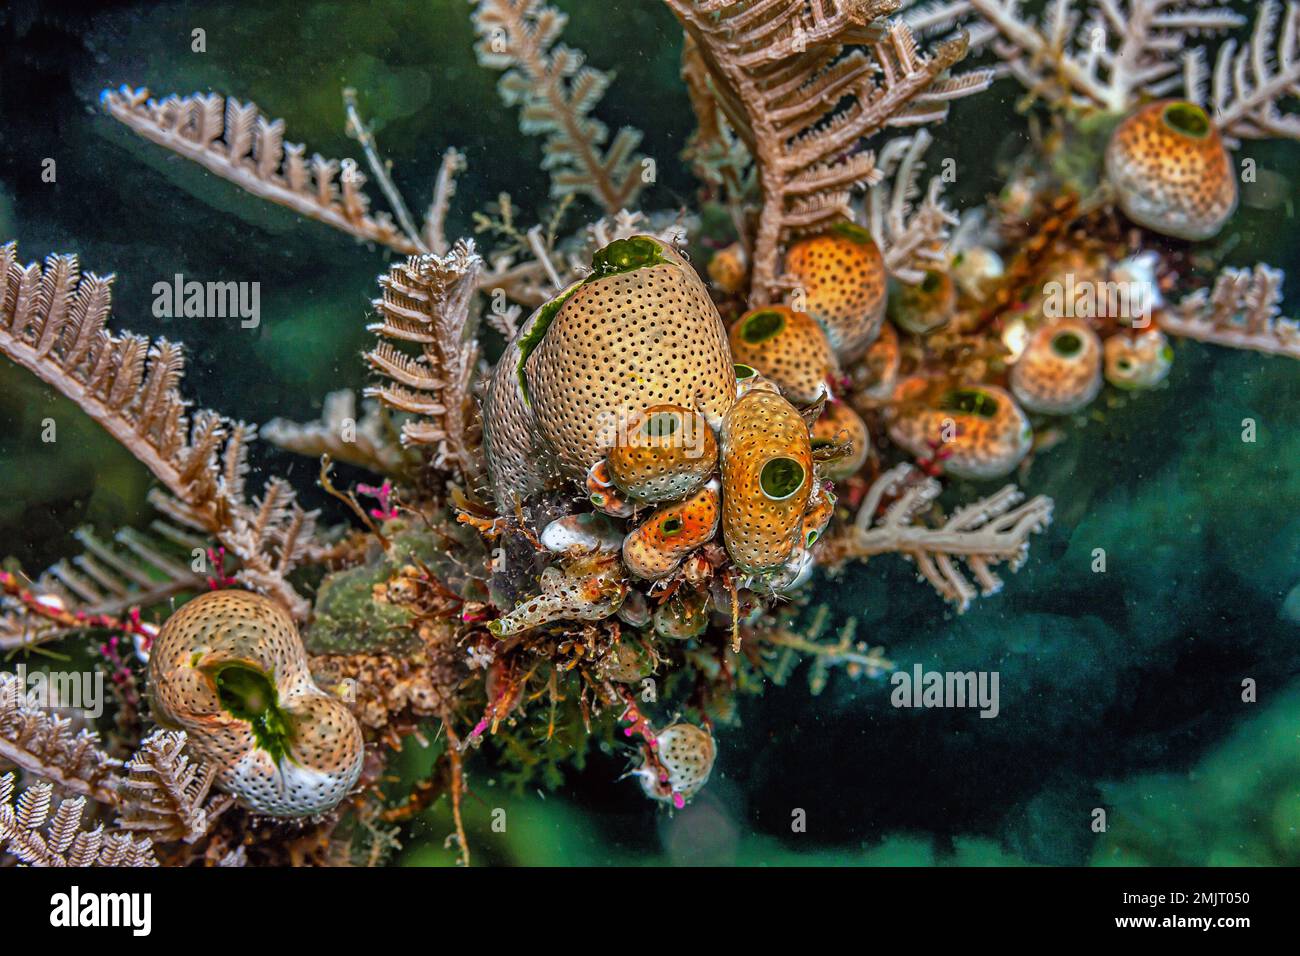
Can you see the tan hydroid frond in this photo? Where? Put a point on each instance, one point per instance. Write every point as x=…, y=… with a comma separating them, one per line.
x=556, y=91
x=982, y=534
x=237, y=142
x=1243, y=310
x=803, y=85
x=39, y=832
x=53, y=322
x=427, y=301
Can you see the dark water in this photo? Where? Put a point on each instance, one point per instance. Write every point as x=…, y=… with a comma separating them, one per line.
x=1119, y=690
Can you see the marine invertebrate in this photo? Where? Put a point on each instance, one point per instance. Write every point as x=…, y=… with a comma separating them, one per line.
x=37, y=838
x=427, y=301
x=583, y=374
x=1059, y=371
x=664, y=454
x=787, y=347
x=1241, y=310
x=237, y=142
x=589, y=589
x=842, y=276
x=1138, y=360
x=800, y=85
x=839, y=423
x=52, y=322
x=686, y=754
x=925, y=307
x=230, y=669
x=1171, y=170
x=766, y=479
x=984, y=533
x=968, y=431
x=604, y=495
x=555, y=91
x=658, y=546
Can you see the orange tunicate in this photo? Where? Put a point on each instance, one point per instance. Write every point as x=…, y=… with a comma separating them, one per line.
x=788, y=347
x=1060, y=370
x=877, y=373
x=766, y=479
x=843, y=278
x=821, y=508
x=604, y=494
x=1171, y=171
x=925, y=307
x=663, y=454
x=728, y=268
x=970, y=431
x=656, y=548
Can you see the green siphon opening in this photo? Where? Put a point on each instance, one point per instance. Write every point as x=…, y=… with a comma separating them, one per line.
x=625, y=255
x=247, y=692
x=970, y=401
x=661, y=425
x=671, y=526
x=852, y=232
x=781, y=478
x=1067, y=344
x=744, y=371
x=811, y=539
x=762, y=326
x=1188, y=119
x=930, y=284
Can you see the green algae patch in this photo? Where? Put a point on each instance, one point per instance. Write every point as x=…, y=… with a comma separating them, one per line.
x=537, y=331
x=348, y=620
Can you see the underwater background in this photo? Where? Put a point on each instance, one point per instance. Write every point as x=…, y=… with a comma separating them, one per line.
x=1120, y=689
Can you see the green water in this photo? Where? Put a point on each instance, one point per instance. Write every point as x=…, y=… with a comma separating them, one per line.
x=1120, y=690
